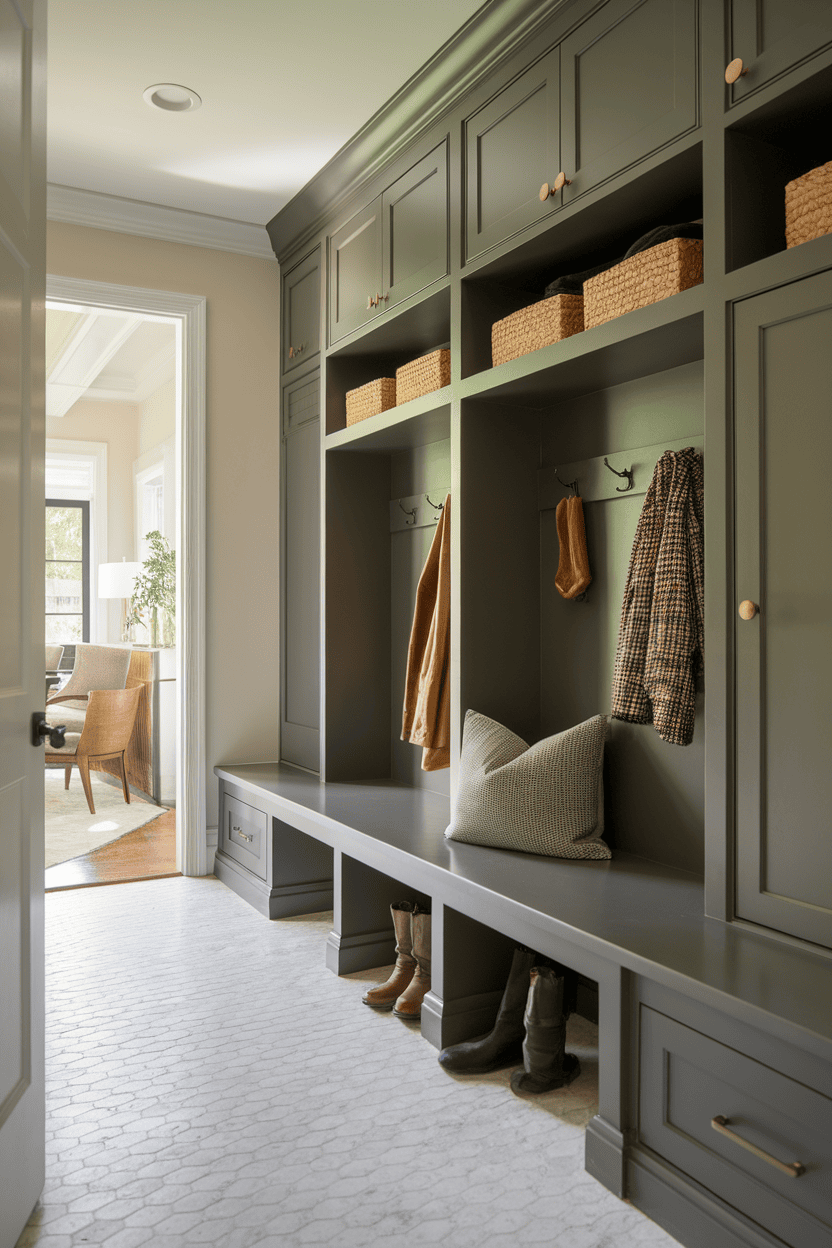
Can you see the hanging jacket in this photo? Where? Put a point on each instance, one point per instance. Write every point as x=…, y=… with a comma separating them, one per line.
x=426, y=718
x=661, y=635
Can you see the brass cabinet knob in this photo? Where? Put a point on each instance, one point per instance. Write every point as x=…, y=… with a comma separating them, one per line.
x=544, y=192
x=748, y=609
x=734, y=71
x=561, y=181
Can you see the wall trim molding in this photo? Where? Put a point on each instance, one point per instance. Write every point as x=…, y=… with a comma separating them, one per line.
x=75, y=206
x=188, y=314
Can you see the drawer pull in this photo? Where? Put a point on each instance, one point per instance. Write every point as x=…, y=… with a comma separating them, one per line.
x=244, y=836
x=793, y=1169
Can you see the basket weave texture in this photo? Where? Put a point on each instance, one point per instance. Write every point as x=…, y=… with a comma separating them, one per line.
x=429, y=372
x=809, y=206
x=377, y=396
x=537, y=326
x=643, y=279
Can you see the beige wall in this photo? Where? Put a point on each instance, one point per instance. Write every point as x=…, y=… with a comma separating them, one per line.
x=243, y=441
x=117, y=425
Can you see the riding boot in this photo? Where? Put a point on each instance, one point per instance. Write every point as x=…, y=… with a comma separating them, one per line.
x=382, y=996
x=546, y=1063
x=409, y=1004
x=502, y=1046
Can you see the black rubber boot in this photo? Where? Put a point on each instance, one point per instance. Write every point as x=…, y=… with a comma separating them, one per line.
x=503, y=1046
x=546, y=1063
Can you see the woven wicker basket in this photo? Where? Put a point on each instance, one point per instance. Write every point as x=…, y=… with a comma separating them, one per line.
x=377, y=396
x=809, y=206
x=642, y=279
x=538, y=326
x=429, y=372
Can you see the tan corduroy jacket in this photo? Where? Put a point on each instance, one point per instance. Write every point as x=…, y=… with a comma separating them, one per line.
x=426, y=720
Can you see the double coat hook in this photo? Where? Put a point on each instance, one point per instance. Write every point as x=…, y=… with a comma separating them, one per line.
x=628, y=473
x=568, y=485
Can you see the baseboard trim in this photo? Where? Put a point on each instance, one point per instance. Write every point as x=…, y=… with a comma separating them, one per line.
x=604, y=1155
x=361, y=952
x=273, y=903
x=451, y=1022
x=685, y=1210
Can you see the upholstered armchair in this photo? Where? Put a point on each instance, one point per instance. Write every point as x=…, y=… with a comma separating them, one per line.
x=108, y=726
x=96, y=667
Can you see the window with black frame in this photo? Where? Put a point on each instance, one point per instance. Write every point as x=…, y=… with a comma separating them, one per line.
x=67, y=571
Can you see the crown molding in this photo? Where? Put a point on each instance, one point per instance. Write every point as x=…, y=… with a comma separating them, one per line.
x=74, y=206
x=491, y=36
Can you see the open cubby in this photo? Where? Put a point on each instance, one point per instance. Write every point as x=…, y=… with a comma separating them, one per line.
x=765, y=150
x=547, y=665
x=601, y=232
x=371, y=581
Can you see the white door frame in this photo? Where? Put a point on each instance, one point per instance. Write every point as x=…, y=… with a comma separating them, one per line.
x=187, y=312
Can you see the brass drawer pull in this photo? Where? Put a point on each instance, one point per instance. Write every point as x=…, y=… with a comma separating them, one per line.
x=244, y=836
x=793, y=1169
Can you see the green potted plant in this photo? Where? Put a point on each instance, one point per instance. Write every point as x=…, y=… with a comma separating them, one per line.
x=155, y=591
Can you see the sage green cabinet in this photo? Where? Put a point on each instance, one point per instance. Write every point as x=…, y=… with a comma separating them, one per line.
x=783, y=396
x=512, y=147
x=301, y=313
x=628, y=87
x=300, y=574
x=392, y=249
x=772, y=36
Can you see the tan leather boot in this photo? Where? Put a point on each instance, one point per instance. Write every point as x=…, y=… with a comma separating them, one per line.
x=409, y=1004
x=382, y=996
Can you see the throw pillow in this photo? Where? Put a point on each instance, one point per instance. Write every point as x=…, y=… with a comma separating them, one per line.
x=541, y=799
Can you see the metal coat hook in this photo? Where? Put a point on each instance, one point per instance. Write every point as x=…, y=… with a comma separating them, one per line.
x=628, y=473
x=568, y=485
x=437, y=506
x=408, y=513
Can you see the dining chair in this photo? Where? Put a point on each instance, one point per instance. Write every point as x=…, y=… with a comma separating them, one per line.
x=108, y=726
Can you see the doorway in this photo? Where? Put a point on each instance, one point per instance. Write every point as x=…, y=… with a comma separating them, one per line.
x=184, y=468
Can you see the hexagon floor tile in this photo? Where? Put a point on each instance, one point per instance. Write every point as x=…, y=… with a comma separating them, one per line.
x=210, y=1082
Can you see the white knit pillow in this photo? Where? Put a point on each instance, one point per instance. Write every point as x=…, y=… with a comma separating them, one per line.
x=542, y=799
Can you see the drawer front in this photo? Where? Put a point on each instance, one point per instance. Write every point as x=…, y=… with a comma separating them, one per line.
x=688, y=1079
x=243, y=835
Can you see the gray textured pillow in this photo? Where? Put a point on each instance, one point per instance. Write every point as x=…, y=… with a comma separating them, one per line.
x=542, y=799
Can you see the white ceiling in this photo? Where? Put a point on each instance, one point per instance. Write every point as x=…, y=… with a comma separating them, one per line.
x=283, y=86
x=95, y=354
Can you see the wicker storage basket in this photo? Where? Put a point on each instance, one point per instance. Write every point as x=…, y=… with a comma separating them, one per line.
x=377, y=396
x=537, y=326
x=429, y=372
x=809, y=206
x=642, y=279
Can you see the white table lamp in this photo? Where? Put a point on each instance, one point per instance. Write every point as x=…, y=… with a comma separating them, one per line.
x=117, y=580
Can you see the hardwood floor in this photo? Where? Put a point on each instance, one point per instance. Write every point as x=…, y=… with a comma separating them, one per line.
x=148, y=853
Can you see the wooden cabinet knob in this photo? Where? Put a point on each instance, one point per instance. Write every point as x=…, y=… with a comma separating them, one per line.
x=561, y=181
x=748, y=609
x=544, y=192
x=734, y=71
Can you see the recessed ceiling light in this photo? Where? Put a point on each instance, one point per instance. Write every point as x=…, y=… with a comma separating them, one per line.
x=172, y=97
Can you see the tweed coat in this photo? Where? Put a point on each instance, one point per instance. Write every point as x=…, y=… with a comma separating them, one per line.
x=661, y=644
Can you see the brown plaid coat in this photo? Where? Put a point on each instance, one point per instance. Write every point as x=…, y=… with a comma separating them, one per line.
x=661, y=636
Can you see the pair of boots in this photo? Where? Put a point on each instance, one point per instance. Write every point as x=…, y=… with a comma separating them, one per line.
x=530, y=1027
x=404, y=991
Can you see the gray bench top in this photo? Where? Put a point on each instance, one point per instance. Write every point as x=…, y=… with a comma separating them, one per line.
x=639, y=914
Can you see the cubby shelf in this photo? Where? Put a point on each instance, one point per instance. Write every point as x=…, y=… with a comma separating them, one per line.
x=420, y=422
x=419, y=325
x=649, y=340
x=779, y=269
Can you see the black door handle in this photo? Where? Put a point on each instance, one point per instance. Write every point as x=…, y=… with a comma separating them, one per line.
x=41, y=730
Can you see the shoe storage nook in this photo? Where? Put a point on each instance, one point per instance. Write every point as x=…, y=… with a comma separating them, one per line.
x=544, y=141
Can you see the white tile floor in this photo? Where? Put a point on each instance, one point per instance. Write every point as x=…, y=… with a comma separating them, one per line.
x=210, y=1082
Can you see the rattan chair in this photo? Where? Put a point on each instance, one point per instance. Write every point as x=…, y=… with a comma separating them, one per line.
x=108, y=727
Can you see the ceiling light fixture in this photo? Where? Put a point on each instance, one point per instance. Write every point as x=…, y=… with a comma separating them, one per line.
x=171, y=97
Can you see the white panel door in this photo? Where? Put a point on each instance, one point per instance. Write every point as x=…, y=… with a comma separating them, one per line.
x=22, y=246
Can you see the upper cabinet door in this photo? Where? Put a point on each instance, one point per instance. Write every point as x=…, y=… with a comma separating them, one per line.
x=415, y=228
x=628, y=87
x=301, y=313
x=512, y=148
x=772, y=36
x=783, y=395
x=355, y=272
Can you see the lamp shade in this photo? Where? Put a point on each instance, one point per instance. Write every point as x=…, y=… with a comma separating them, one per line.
x=116, y=580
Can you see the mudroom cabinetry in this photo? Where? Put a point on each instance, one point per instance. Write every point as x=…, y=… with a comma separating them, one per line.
x=770, y=37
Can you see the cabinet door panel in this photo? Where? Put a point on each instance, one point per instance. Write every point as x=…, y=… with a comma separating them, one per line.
x=512, y=148
x=354, y=271
x=301, y=313
x=628, y=87
x=300, y=650
x=772, y=36
x=784, y=563
x=415, y=227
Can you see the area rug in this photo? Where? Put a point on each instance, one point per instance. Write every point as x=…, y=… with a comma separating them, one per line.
x=71, y=830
